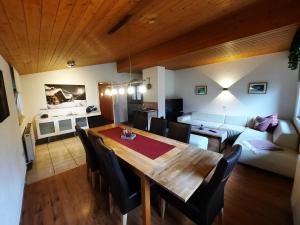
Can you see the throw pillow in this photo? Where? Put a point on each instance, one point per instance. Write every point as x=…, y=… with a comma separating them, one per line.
x=262, y=123
x=274, y=122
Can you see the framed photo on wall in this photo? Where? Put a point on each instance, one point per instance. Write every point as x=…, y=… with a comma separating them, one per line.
x=200, y=89
x=4, y=110
x=257, y=88
x=65, y=96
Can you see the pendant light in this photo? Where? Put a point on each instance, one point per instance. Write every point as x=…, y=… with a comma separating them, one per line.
x=121, y=91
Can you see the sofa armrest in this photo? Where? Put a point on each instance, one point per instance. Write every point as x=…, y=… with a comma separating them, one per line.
x=184, y=118
x=285, y=135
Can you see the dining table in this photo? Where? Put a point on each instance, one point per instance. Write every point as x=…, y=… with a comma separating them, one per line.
x=178, y=167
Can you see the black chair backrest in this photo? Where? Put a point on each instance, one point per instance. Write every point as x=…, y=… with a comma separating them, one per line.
x=140, y=121
x=97, y=121
x=94, y=139
x=117, y=182
x=158, y=126
x=91, y=158
x=179, y=131
x=212, y=193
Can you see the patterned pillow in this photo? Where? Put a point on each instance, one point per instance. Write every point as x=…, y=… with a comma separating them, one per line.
x=274, y=122
x=262, y=123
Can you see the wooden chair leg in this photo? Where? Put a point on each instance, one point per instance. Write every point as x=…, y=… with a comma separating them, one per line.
x=221, y=216
x=162, y=207
x=111, y=204
x=124, y=219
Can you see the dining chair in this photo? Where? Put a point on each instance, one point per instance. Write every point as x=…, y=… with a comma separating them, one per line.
x=179, y=131
x=124, y=185
x=91, y=157
x=97, y=121
x=158, y=126
x=140, y=121
x=93, y=140
x=208, y=200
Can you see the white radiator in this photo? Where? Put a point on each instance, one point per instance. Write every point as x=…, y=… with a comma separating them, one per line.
x=29, y=143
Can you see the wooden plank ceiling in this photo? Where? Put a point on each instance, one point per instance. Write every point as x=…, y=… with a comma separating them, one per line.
x=42, y=35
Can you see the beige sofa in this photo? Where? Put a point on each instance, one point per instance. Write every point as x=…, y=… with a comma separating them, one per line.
x=285, y=135
x=234, y=125
x=281, y=162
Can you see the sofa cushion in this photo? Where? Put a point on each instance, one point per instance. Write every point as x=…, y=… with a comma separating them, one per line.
x=262, y=123
x=274, y=122
x=236, y=120
x=285, y=135
x=208, y=117
x=208, y=124
x=233, y=131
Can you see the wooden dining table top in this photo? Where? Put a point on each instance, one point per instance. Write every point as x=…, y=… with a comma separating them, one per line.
x=180, y=170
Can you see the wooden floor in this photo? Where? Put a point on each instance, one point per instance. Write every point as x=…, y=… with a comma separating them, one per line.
x=252, y=197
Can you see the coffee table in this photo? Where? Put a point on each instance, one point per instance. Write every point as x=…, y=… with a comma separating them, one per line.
x=220, y=135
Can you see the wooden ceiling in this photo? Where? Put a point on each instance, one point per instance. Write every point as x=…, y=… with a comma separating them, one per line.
x=42, y=35
x=264, y=43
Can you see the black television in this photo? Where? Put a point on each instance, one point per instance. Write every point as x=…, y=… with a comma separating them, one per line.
x=174, y=105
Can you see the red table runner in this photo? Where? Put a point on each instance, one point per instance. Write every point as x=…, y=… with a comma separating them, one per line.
x=141, y=144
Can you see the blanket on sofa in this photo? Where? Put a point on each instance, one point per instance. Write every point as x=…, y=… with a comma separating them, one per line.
x=264, y=145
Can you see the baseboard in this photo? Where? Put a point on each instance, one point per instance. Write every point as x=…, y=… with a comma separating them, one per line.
x=54, y=138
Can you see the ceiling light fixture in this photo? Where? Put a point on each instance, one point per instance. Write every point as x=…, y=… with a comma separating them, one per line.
x=119, y=88
x=71, y=64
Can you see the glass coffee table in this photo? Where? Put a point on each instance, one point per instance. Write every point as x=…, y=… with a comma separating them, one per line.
x=220, y=135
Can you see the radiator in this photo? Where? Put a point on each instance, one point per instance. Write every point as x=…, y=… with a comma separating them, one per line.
x=29, y=143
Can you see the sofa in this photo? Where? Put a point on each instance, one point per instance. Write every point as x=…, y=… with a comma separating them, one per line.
x=282, y=162
x=285, y=136
x=234, y=125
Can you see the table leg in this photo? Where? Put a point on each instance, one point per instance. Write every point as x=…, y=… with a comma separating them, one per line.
x=145, y=188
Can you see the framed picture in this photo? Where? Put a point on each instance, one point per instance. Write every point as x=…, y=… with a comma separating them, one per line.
x=4, y=110
x=258, y=88
x=201, y=90
x=65, y=95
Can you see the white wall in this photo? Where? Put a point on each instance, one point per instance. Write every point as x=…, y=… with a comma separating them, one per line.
x=34, y=94
x=12, y=162
x=157, y=92
x=170, y=84
x=272, y=68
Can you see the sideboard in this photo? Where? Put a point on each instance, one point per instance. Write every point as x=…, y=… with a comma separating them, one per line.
x=61, y=124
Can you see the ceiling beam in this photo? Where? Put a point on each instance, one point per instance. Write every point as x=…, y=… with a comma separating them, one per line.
x=260, y=17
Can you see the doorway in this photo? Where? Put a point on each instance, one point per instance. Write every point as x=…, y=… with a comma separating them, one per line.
x=106, y=103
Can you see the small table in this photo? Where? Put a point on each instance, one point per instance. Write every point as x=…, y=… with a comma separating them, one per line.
x=220, y=135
